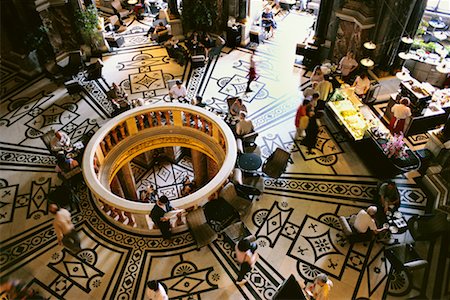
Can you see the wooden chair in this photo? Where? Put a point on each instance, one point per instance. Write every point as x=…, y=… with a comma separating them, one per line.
x=276, y=163
x=201, y=231
x=229, y=194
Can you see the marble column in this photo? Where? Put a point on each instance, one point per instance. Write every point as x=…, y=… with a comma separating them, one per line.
x=200, y=166
x=126, y=179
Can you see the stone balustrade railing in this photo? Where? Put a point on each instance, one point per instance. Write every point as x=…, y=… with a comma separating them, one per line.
x=146, y=128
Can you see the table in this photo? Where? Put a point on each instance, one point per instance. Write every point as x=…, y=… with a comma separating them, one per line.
x=249, y=162
x=397, y=223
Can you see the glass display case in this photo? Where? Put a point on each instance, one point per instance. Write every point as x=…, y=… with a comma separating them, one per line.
x=347, y=108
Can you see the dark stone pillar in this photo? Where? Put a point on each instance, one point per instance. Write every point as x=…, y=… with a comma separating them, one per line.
x=323, y=20
x=393, y=19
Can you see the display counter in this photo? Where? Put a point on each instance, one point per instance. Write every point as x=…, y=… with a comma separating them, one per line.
x=369, y=134
x=430, y=107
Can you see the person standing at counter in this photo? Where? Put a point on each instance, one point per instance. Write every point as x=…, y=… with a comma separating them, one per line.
x=361, y=85
x=347, y=65
x=400, y=112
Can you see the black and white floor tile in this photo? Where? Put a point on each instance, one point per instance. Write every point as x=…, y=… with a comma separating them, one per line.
x=294, y=221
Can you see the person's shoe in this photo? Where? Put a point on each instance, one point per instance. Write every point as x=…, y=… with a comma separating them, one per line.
x=243, y=281
x=248, y=91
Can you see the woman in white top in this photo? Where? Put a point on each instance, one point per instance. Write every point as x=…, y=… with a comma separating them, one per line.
x=348, y=64
x=361, y=85
x=155, y=291
x=400, y=112
x=246, y=256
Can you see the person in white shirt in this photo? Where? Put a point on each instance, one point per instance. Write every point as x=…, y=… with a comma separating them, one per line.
x=400, y=113
x=155, y=291
x=361, y=85
x=64, y=228
x=60, y=141
x=348, y=64
x=245, y=255
x=244, y=126
x=365, y=220
x=178, y=91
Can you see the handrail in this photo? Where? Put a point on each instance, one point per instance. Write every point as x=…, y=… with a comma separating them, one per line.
x=141, y=120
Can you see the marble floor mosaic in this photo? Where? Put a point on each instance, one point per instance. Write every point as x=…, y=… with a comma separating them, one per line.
x=294, y=221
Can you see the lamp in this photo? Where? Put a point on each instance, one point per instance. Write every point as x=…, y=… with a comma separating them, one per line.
x=403, y=75
x=404, y=55
x=367, y=62
x=407, y=40
x=370, y=45
x=444, y=67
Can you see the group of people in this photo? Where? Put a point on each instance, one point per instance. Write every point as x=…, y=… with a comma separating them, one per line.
x=387, y=201
x=306, y=123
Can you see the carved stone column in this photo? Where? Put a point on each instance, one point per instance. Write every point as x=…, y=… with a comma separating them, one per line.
x=58, y=19
x=199, y=163
x=126, y=179
x=354, y=25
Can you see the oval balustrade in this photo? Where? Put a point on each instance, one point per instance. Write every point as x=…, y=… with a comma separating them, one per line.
x=146, y=128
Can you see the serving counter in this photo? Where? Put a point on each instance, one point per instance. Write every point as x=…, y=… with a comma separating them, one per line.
x=368, y=133
x=430, y=107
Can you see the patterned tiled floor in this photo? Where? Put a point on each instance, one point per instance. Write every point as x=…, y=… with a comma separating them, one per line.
x=295, y=221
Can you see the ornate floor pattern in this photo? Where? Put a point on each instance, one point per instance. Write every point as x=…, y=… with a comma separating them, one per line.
x=295, y=220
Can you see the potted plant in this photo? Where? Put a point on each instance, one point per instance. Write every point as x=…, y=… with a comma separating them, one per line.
x=199, y=15
x=87, y=23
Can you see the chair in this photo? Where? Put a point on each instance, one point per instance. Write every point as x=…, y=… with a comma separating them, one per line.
x=404, y=257
x=351, y=234
x=276, y=163
x=73, y=87
x=47, y=138
x=118, y=9
x=428, y=227
x=230, y=194
x=201, y=231
x=220, y=214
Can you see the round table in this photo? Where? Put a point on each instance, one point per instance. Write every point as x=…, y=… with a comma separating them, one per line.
x=249, y=162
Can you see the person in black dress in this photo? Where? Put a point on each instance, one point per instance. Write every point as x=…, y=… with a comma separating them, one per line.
x=312, y=132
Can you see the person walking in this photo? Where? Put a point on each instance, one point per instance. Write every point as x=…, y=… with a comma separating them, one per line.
x=251, y=73
x=64, y=228
x=246, y=256
x=301, y=119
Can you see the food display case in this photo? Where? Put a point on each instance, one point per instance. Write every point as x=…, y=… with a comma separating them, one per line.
x=346, y=107
x=368, y=131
